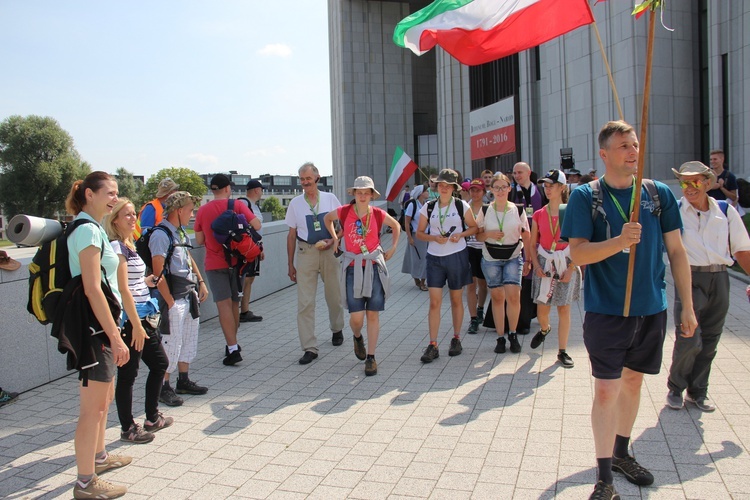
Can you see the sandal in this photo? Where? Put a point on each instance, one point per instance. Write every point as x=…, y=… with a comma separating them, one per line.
x=422, y=286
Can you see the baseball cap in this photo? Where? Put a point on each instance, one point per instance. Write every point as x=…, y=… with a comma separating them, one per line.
x=254, y=183
x=552, y=177
x=220, y=181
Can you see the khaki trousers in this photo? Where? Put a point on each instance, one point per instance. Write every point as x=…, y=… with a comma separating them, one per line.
x=311, y=262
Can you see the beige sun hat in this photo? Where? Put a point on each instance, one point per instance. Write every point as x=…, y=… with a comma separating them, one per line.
x=364, y=182
x=695, y=168
x=166, y=186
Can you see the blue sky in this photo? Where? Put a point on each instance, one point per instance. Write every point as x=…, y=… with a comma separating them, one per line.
x=211, y=85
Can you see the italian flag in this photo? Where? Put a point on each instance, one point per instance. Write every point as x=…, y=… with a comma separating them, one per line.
x=402, y=168
x=480, y=31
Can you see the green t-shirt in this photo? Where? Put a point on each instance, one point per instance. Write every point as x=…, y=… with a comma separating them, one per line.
x=87, y=235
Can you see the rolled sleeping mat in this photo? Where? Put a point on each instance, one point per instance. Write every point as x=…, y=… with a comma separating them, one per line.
x=32, y=231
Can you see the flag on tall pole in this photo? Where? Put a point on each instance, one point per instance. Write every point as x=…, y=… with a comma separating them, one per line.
x=480, y=31
x=402, y=169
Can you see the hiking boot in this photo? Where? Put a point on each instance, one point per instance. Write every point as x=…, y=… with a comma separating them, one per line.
x=168, y=396
x=455, y=348
x=604, y=491
x=112, y=462
x=230, y=359
x=515, y=347
x=371, y=367
x=633, y=471
x=674, y=400
x=338, y=338
x=189, y=387
x=136, y=434
x=539, y=337
x=249, y=317
x=7, y=398
x=473, y=325
x=99, y=488
x=703, y=403
x=480, y=314
x=430, y=353
x=565, y=360
x=500, y=347
x=307, y=357
x=161, y=422
x=359, y=347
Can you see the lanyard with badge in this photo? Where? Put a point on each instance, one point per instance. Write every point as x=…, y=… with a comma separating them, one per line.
x=501, y=223
x=554, y=230
x=442, y=216
x=316, y=222
x=625, y=218
x=363, y=229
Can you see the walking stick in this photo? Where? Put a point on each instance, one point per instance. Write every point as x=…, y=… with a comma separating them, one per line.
x=641, y=157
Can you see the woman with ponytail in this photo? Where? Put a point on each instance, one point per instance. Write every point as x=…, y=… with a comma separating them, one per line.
x=91, y=256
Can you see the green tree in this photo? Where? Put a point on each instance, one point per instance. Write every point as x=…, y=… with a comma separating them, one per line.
x=189, y=180
x=38, y=164
x=128, y=186
x=273, y=205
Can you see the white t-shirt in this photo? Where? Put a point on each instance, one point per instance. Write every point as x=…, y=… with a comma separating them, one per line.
x=450, y=219
x=513, y=224
x=255, y=209
x=301, y=217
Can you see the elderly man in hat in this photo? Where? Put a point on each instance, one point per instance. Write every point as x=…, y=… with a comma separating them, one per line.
x=152, y=212
x=179, y=295
x=254, y=192
x=222, y=275
x=713, y=234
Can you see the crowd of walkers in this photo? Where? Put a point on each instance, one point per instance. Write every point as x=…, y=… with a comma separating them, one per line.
x=519, y=241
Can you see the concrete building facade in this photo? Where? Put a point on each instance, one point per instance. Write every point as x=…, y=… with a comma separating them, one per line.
x=383, y=96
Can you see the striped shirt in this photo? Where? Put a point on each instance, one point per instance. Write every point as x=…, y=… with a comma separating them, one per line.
x=136, y=272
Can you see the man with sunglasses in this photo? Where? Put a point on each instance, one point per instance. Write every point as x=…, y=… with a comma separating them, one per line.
x=623, y=348
x=713, y=233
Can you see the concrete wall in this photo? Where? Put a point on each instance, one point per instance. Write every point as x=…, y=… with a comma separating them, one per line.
x=28, y=354
x=371, y=91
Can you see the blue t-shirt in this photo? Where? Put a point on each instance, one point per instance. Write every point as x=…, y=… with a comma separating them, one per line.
x=604, y=286
x=148, y=216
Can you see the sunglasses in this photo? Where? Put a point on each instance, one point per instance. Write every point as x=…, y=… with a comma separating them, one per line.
x=692, y=184
x=501, y=188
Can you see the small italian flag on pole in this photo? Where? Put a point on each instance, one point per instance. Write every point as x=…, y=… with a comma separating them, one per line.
x=402, y=169
x=480, y=31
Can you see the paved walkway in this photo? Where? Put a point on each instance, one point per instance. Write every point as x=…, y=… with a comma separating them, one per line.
x=480, y=425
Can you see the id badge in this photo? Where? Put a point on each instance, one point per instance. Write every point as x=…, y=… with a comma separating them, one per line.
x=316, y=225
x=529, y=212
x=364, y=249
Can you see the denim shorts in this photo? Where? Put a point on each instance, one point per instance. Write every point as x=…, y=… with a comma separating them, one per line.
x=616, y=342
x=374, y=303
x=503, y=272
x=453, y=268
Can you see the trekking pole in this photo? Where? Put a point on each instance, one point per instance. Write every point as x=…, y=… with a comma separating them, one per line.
x=641, y=158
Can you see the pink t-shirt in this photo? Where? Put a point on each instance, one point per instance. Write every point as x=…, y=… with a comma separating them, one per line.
x=206, y=215
x=355, y=235
x=545, y=231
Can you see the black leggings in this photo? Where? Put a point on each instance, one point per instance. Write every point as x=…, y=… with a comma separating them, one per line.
x=155, y=358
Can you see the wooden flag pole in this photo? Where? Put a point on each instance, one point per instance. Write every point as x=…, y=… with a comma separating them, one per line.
x=609, y=71
x=641, y=157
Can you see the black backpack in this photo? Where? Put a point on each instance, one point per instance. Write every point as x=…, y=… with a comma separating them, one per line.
x=142, y=247
x=459, y=209
x=49, y=272
x=596, y=201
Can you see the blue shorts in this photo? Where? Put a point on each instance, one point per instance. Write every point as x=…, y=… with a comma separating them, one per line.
x=453, y=268
x=374, y=303
x=616, y=342
x=503, y=272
